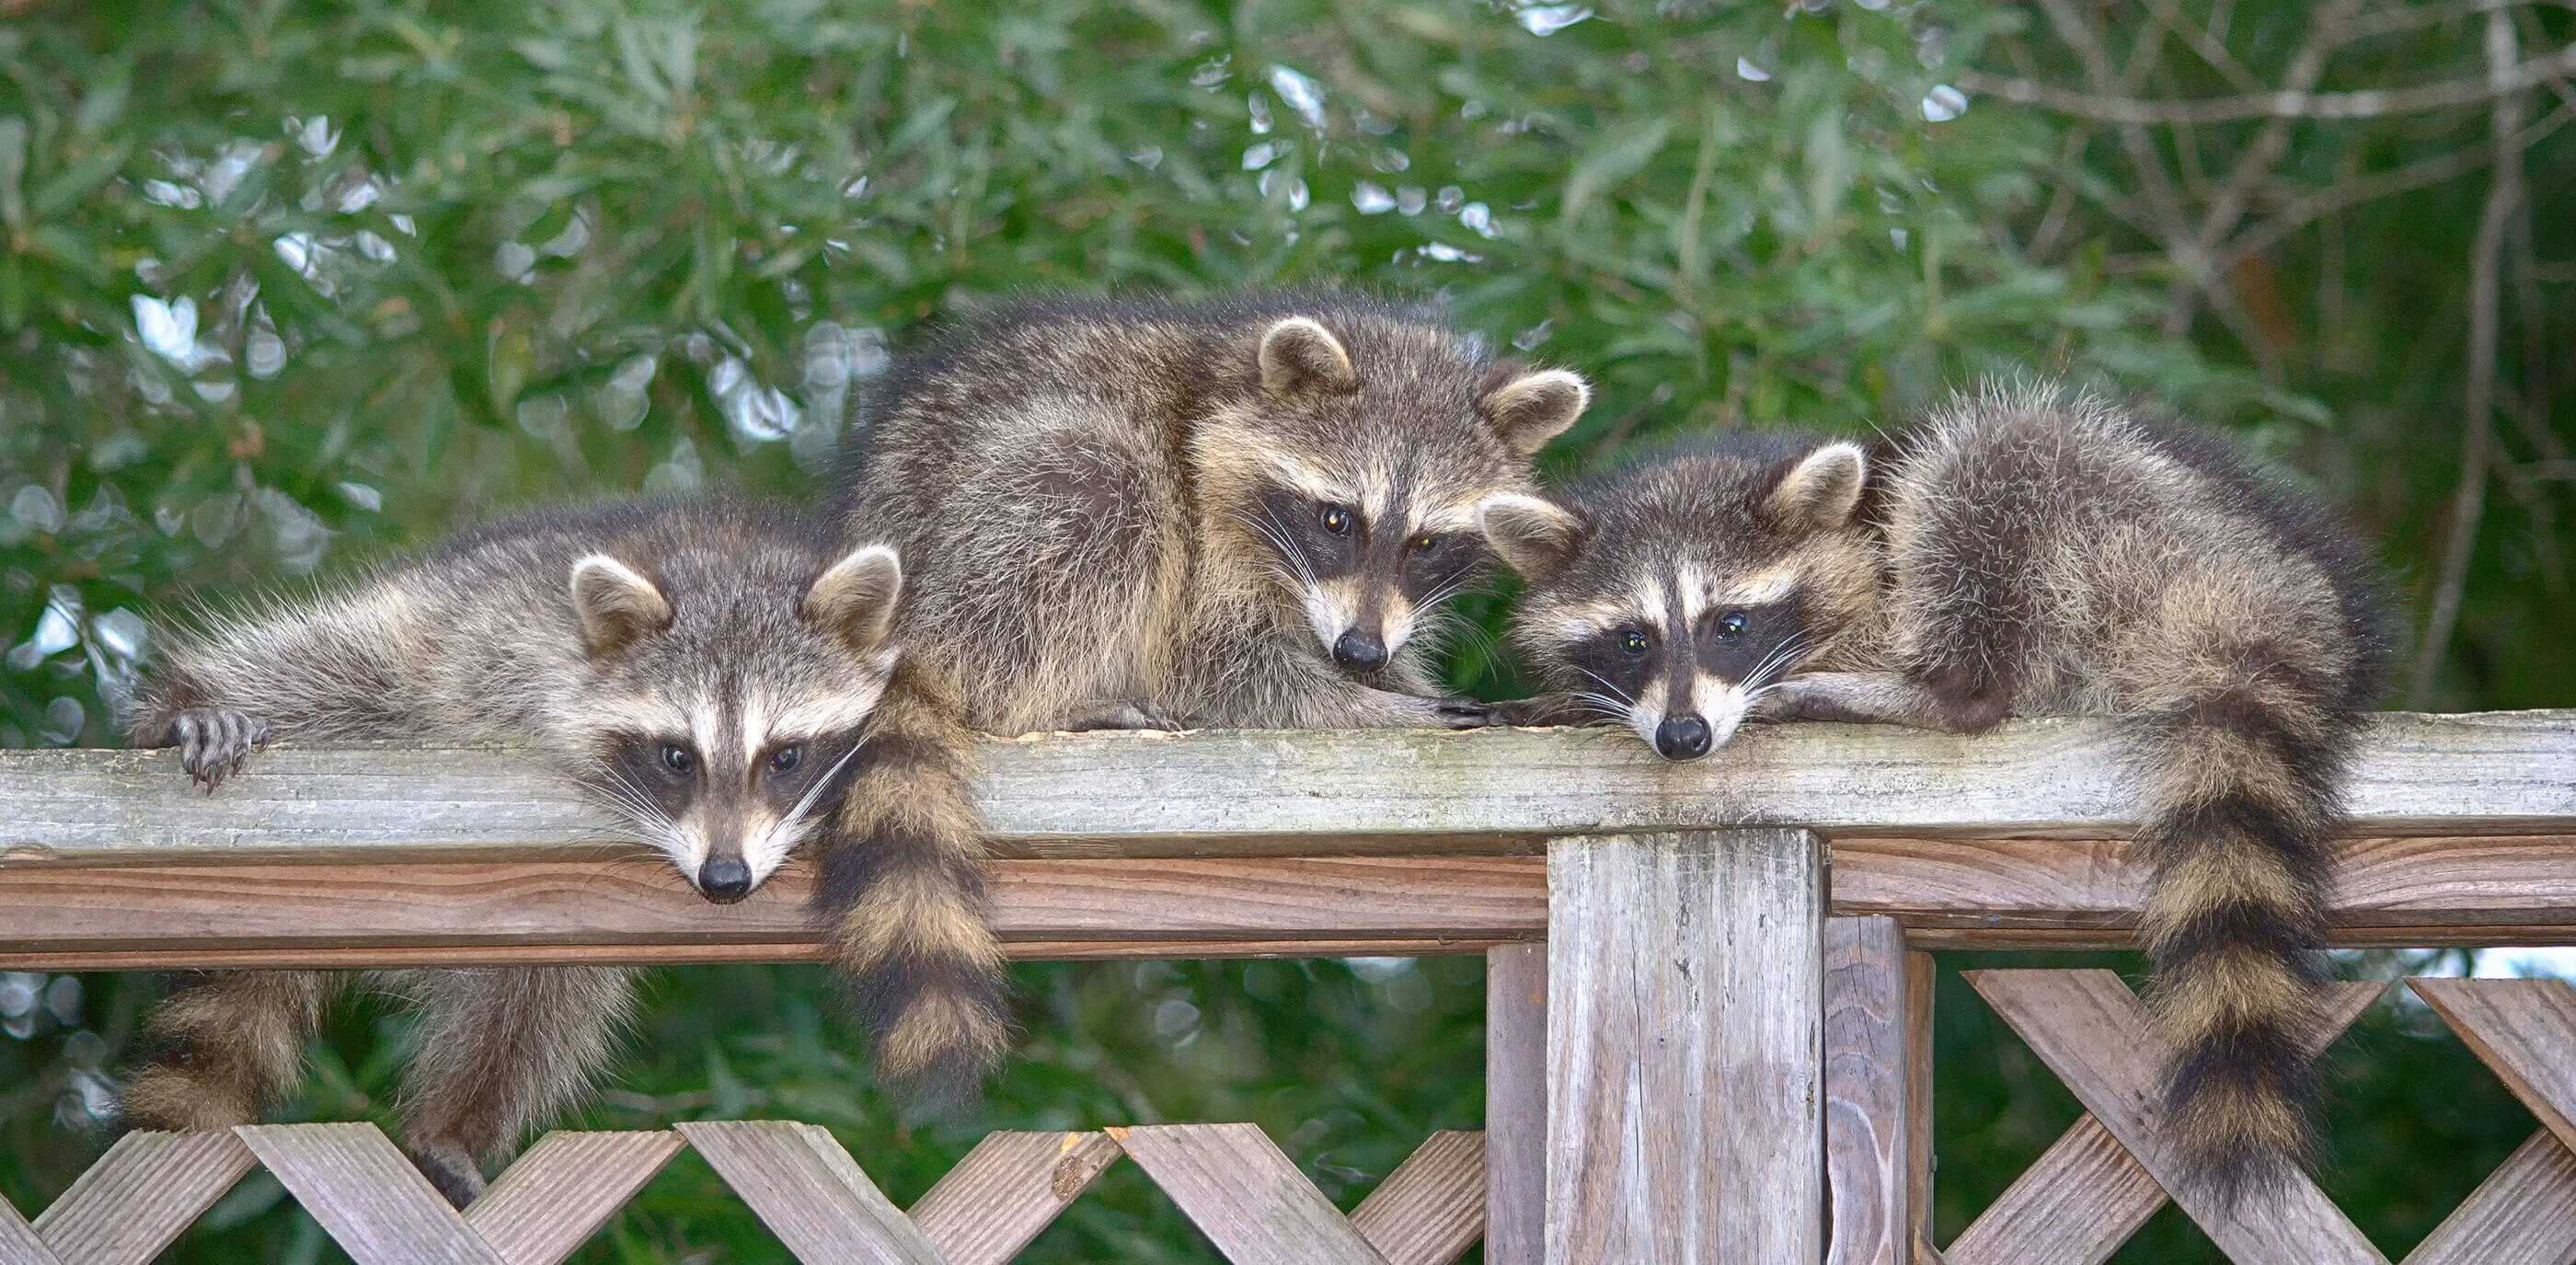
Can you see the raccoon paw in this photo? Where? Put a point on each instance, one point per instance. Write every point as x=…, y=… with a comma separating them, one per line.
x=1124, y=716
x=453, y=1173
x=1461, y=713
x=213, y=743
x=1544, y=710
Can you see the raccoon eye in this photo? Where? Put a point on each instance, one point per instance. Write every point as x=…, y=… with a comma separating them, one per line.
x=1337, y=520
x=1633, y=641
x=678, y=759
x=785, y=758
x=1426, y=543
x=1731, y=625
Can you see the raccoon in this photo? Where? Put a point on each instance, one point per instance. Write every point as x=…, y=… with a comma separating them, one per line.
x=706, y=670
x=2024, y=551
x=1246, y=512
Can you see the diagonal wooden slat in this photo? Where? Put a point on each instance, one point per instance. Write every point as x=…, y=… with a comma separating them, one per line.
x=1006, y=1190
x=1242, y=1191
x=2524, y=1030
x=2517, y=1216
x=558, y=1194
x=809, y=1192
x=2090, y=1030
x=370, y=1199
x=2086, y=1195
x=19, y=1244
x=146, y=1191
x=1431, y=1209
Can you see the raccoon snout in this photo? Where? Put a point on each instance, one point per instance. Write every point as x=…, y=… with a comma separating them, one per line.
x=1359, y=651
x=724, y=880
x=1682, y=738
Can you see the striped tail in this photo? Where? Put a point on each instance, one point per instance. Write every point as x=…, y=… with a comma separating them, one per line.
x=223, y=1047
x=2242, y=793
x=902, y=898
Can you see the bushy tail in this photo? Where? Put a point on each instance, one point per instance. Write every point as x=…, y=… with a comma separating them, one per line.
x=2241, y=785
x=902, y=897
x=222, y=1047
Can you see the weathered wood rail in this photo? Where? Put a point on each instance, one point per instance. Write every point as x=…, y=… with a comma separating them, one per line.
x=1726, y=1019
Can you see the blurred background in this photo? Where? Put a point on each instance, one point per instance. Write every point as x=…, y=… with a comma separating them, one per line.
x=284, y=286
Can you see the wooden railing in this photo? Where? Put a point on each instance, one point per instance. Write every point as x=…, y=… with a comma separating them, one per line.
x=1707, y=991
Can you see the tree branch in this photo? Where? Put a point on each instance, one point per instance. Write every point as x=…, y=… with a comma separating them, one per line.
x=2486, y=301
x=2369, y=104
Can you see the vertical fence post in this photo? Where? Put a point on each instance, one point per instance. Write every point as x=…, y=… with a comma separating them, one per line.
x=1515, y=1104
x=1868, y=1119
x=1685, y=1048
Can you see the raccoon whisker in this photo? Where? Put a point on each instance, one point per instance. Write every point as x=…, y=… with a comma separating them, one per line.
x=1279, y=540
x=1610, y=708
x=805, y=802
x=1776, y=664
x=1608, y=685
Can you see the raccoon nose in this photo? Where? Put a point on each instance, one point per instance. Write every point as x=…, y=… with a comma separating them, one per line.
x=1360, y=650
x=1682, y=738
x=724, y=880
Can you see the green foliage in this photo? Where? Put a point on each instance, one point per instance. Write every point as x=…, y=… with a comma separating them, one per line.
x=283, y=286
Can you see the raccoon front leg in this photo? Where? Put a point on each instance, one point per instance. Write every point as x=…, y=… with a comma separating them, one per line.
x=1124, y=715
x=1877, y=698
x=214, y=742
x=1544, y=710
x=500, y=1049
x=223, y=1047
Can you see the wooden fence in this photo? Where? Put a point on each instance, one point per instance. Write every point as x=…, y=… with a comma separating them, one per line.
x=1708, y=989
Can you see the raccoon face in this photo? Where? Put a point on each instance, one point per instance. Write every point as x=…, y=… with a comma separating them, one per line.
x=1674, y=598
x=728, y=713
x=1361, y=473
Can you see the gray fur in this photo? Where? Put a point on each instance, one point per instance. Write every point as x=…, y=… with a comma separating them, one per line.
x=2024, y=551
x=597, y=638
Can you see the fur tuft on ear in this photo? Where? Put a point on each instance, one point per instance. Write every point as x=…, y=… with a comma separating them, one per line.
x=1822, y=491
x=1298, y=356
x=1532, y=536
x=616, y=603
x=1536, y=407
x=856, y=597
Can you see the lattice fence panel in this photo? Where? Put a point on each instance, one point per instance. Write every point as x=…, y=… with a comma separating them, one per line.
x=1230, y=1179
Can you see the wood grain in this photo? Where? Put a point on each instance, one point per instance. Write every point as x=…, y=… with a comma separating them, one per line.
x=809, y=1192
x=2091, y=1030
x=2086, y=1194
x=2075, y=1205
x=19, y=1244
x=2019, y=893
x=1288, y=792
x=559, y=1192
x=142, y=1194
x=1245, y=1195
x=369, y=1199
x=1516, y=1104
x=1431, y=1209
x=1007, y=1190
x=1921, y=975
x=1868, y=1126
x=2524, y=1030
x=2517, y=1216
x=1685, y=1016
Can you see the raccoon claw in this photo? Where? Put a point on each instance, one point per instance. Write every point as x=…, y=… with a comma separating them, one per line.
x=1462, y=713
x=214, y=743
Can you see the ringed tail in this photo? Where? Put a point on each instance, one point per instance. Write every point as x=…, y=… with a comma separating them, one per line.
x=2241, y=797
x=901, y=896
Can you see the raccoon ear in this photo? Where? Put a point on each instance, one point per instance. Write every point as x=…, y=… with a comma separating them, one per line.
x=856, y=596
x=1298, y=356
x=616, y=604
x=1822, y=490
x=1534, y=408
x=1534, y=537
